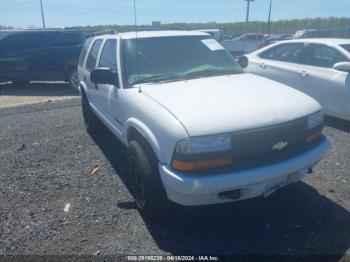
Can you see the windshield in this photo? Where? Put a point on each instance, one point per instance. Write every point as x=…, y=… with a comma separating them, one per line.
x=175, y=58
x=346, y=47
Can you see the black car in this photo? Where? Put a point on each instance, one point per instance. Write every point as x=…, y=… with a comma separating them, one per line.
x=45, y=55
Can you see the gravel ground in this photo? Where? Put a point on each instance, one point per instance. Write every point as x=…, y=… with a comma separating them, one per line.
x=46, y=159
x=36, y=92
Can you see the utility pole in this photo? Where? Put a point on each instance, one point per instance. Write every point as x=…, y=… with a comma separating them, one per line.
x=248, y=7
x=269, y=20
x=42, y=14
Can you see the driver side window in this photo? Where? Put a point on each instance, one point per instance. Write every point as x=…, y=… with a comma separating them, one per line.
x=109, y=55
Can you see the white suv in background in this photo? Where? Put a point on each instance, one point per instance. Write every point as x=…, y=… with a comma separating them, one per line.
x=198, y=129
x=317, y=67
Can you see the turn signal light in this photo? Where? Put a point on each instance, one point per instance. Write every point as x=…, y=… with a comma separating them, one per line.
x=207, y=164
x=314, y=137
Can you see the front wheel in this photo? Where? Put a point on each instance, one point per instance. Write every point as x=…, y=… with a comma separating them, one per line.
x=146, y=185
x=91, y=121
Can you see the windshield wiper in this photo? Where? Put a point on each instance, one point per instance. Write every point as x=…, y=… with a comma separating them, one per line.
x=209, y=72
x=158, y=78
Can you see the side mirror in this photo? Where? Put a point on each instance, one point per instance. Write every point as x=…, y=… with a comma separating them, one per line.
x=103, y=75
x=342, y=66
x=243, y=61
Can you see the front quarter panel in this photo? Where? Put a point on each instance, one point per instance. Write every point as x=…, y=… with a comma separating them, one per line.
x=156, y=124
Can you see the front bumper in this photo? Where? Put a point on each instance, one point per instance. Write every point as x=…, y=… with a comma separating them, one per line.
x=191, y=191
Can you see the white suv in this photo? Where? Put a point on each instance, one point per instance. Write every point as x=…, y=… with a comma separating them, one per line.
x=198, y=129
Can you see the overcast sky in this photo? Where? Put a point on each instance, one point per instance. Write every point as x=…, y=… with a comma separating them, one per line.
x=61, y=13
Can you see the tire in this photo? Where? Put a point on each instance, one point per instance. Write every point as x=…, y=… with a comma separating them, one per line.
x=145, y=182
x=92, y=123
x=74, y=80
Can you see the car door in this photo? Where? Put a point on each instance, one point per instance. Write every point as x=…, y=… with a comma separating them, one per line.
x=108, y=59
x=279, y=63
x=317, y=78
x=92, y=89
x=63, y=51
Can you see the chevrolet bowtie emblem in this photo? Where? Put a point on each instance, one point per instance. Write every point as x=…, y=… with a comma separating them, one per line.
x=280, y=145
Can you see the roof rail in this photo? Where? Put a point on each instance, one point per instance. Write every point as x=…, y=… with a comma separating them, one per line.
x=129, y=29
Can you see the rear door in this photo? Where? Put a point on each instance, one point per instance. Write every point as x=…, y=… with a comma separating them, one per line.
x=317, y=78
x=279, y=63
x=92, y=89
x=63, y=52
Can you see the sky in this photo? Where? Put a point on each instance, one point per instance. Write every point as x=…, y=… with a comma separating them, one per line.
x=62, y=13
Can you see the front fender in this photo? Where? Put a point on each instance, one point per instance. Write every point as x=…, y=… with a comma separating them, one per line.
x=146, y=133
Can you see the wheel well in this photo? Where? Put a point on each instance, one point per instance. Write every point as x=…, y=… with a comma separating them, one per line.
x=134, y=134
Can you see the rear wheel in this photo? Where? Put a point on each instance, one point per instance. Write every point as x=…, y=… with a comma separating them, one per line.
x=146, y=185
x=91, y=121
x=74, y=80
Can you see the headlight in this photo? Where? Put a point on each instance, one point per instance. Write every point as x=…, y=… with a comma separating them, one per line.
x=202, y=153
x=204, y=144
x=315, y=120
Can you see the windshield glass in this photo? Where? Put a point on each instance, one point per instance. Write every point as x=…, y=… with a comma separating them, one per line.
x=346, y=47
x=175, y=58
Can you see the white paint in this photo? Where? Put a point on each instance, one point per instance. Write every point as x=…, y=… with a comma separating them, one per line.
x=66, y=208
x=212, y=44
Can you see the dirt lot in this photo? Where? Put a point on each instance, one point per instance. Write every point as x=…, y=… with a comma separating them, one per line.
x=46, y=158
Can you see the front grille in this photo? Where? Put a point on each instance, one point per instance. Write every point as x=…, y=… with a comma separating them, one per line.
x=254, y=148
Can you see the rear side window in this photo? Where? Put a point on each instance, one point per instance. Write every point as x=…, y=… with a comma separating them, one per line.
x=109, y=55
x=284, y=52
x=64, y=39
x=91, y=61
x=346, y=47
x=323, y=56
x=84, y=50
x=22, y=41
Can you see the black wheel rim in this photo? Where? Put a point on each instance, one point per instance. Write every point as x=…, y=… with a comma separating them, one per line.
x=136, y=183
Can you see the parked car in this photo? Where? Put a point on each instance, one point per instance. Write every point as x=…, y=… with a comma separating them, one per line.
x=40, y=55
x=244, y=44
x=317, y=67
x=198, y=129
x=323, y=33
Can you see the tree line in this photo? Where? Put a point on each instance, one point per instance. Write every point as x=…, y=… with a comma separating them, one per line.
x=276, y=27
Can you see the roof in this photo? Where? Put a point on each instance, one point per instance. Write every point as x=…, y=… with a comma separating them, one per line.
x=161, y=33
x=328, y=41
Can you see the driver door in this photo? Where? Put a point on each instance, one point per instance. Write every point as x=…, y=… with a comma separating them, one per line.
x=108, y=100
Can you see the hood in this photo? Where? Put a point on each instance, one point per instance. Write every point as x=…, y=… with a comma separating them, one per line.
x=230, y=103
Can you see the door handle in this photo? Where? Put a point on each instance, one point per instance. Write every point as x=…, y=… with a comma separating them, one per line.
x=304, y=73
x=262, y=65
